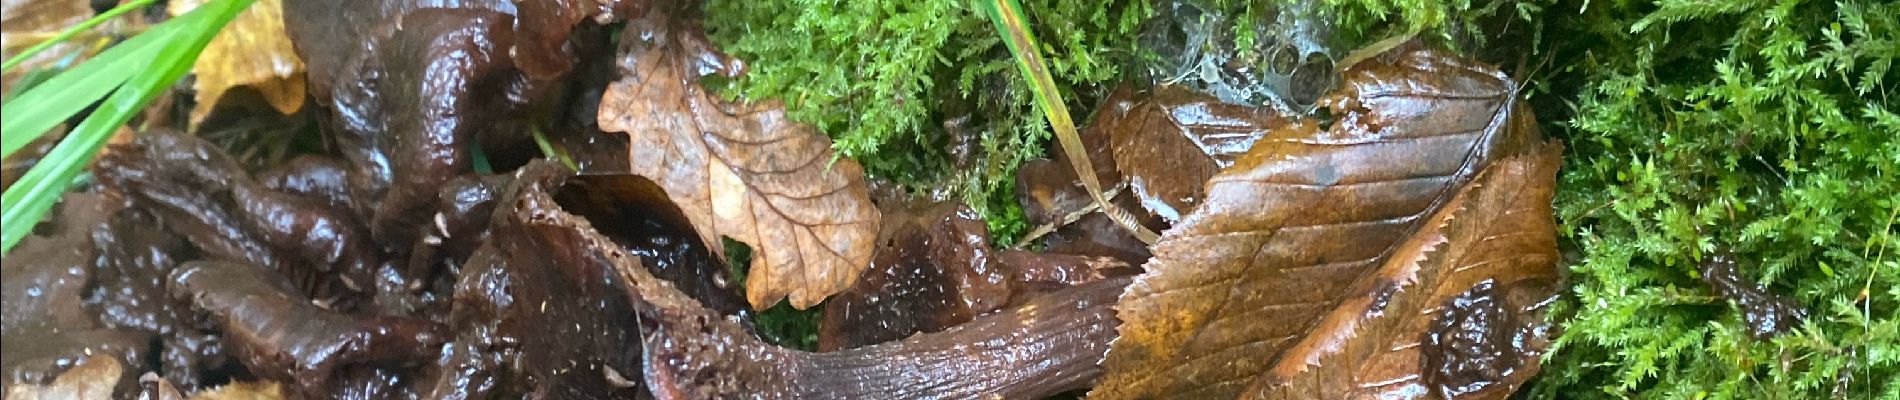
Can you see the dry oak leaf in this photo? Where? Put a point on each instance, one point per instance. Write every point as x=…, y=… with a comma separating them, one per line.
x=252, y=50
x=740, y=170
x=1241, y=292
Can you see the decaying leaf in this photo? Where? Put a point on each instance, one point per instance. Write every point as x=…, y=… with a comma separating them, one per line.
x=1170, y=142
x=252, y=50
x=1455, y=311
x=91, y=379
x=1287, y=257
x=740, y=170
x=1065, y=217
x=933, y=269
x=260, y=390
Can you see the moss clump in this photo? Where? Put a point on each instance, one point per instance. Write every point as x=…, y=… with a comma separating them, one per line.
x=881, y=76
x=1765, y=128
x=1761, y=126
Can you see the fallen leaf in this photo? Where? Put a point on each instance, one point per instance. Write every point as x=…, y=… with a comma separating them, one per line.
x=933, y=269
x=152, y=387
x=28, y=22
x=260, y=390
x=740, y=170
x=252, y=50
x=1049, y=189
x=1169, y=143
x=1455, y=311
x=1255, y=284
x=91, y=379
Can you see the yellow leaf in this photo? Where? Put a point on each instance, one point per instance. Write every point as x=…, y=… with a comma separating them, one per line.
x=91, y=379
x=252, y=51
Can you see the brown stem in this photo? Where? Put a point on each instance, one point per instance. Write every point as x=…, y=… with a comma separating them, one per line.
x=1052, y=344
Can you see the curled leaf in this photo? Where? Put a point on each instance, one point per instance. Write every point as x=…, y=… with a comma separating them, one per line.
x=1293, y=247
x=740, y=170
x=252, y=50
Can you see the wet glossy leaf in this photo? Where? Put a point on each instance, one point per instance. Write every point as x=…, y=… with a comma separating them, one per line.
x=1455, y=311
x=1278, y=265
x=1170, y=142
x=252, y=50
x=933, y=269
x=741, y=170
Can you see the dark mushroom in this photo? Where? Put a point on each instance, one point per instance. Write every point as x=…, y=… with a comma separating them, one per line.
x=278, y=334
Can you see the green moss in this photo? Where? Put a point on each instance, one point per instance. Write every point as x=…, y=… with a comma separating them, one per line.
x=880, y=76
x=780, y=324
x=1763, y=127
x=1758, y=126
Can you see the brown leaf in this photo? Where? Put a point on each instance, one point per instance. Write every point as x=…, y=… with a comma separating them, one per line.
x=1242, y=292
x=91, y=379
x=1456, y=310
x=261, y=390
x=152, y=387
x=1065, y=216
x=252, y=50
x=1173, y=140
x=740, y=170
x=933, y=269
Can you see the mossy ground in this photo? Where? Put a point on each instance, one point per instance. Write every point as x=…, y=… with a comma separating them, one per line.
x=882, y=77
x=1764, y=128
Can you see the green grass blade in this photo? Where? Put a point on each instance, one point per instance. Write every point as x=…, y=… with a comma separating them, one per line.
x=32, y=113
x=36, y=191
x=71, y=31
x=1008, y=16
x=35, y=112
x=548, y=150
